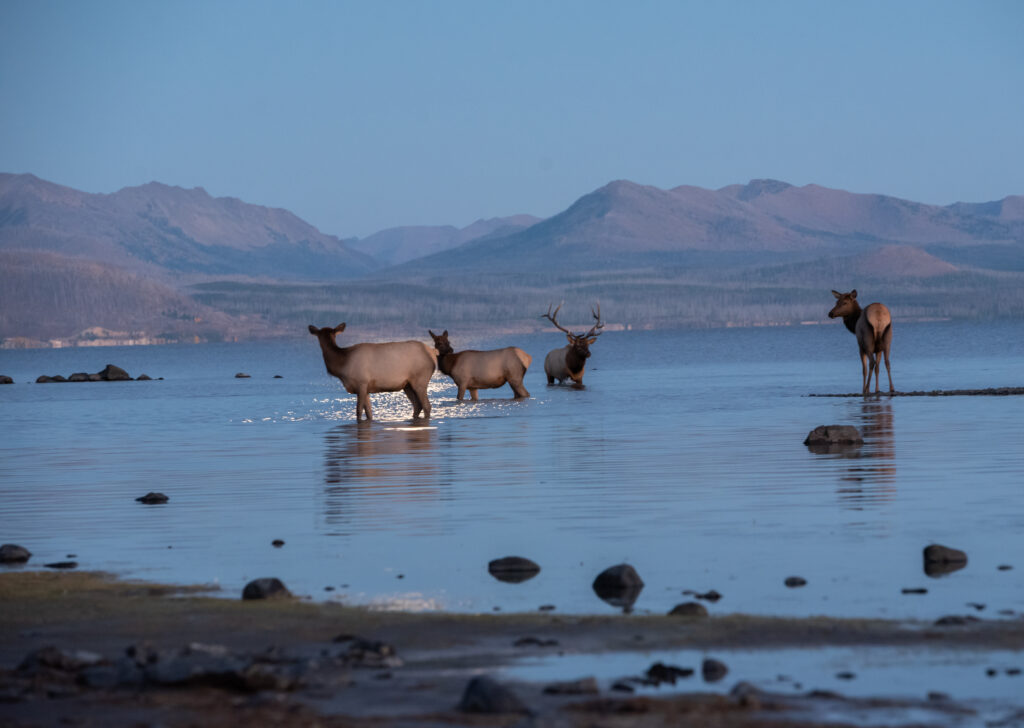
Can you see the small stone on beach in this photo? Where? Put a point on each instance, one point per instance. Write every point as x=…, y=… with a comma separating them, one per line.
x=689, y=609
x=62, y=565
x=265, y=588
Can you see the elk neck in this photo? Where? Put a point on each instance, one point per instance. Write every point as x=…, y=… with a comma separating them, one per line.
x=446, y=362
x=851, y=319
x=573, y=361
x=331, y=350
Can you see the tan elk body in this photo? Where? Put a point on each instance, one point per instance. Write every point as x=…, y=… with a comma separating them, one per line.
x=873, y=328
x=570, y=361
x=365, y=369
x=472, y=370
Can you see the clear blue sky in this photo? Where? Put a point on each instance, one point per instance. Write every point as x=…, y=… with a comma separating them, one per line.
x=363, y=115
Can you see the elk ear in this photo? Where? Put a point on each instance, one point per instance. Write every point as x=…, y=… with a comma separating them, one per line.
x=339, y=328
x=591, y=340
x=313, y=329
x=853, y=293
x=837, y=294
x=570, y=338
x=432, y=334
x=445, y=332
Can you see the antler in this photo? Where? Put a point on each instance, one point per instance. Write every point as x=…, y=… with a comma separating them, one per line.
x=594, y=330
x=598, y=325
x=553, y=318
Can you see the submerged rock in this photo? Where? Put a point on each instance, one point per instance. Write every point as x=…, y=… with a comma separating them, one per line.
x=4, y=379
x=833, y=438
x=795, y=581
x=513, y=569
x=713, y=670
x=483, y=694
x=659, y=673
x=265, y=588
x=619, y=585
x=583, y=686
x=152, y=498
x=940, y=560
x=241, y=375
x=62, y=565
x=79, y=377
x=112, y=373
x=11, y=553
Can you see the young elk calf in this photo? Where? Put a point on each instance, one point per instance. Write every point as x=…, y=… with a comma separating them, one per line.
x=369, y=368
x=569, y=361
x=475, y=370
x=873, y=328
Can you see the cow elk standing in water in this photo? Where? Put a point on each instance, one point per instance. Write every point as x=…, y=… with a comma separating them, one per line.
x=365, y=369
x=873, y=328
x=569, y=361
x=475, y=370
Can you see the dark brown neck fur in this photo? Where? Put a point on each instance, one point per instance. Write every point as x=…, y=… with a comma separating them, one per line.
x=573, y=361
x=446, y=362
x=851, y=320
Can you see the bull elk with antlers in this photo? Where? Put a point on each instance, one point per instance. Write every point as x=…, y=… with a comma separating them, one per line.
x=569, y=361
x=873, y=328
x=475, y=370
x=365, y=369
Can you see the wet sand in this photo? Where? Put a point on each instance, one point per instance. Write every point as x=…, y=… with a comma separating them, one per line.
x=439, y=654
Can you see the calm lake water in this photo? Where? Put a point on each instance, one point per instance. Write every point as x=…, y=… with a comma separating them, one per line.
x=683, y=457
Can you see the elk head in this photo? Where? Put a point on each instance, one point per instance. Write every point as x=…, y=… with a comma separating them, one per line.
x=326, y=332
x=846, y=304
x=580, y=343
x=441, y=343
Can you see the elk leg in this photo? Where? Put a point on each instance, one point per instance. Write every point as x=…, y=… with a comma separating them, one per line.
x=887, y=341
x=461, y=394
x=414, y=398
x=472, y=395
x=865, y=372
x=421, y=395
x=363, y=398
x=519, y=390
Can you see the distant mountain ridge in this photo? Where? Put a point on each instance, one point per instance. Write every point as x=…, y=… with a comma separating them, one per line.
x=625, y=223
x=402, y=244
x=169, y=232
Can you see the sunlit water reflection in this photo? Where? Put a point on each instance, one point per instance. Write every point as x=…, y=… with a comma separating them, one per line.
x=683, y=456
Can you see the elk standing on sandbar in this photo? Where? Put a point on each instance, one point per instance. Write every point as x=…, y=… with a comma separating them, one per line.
x=873, y=328
x=369, y=368
x=475, y=370
x=569, y=361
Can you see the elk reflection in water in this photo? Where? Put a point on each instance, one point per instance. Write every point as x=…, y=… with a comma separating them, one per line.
x=869, y=480
x=373, y=472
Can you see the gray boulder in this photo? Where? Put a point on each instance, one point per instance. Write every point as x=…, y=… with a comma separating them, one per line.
x=833, y=438
x=940, y=560
x=619, y=585
x=4, y=379
x=13, y=554
x=113, y=373
x=513, y=569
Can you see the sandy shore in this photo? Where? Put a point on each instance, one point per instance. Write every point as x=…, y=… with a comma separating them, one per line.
x=291, y=662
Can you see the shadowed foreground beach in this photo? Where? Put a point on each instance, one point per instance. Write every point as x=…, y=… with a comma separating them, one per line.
x=133, y=653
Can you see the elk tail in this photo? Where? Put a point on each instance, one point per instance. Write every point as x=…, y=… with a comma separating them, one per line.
x=881, y=337
x=525, y=358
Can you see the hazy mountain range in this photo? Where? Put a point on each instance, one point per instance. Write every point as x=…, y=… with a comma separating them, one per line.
x=179, y=264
